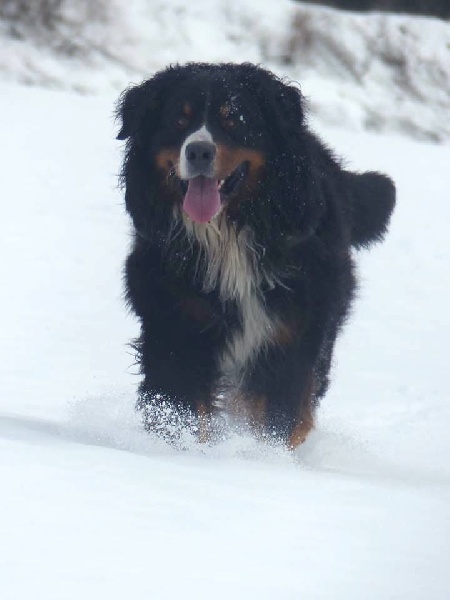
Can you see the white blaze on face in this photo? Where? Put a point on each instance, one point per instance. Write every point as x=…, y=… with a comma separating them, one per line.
x=202, y=200
x=201, y=135
x=232, y=266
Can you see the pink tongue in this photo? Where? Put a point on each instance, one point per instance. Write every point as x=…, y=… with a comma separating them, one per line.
x=202, y=200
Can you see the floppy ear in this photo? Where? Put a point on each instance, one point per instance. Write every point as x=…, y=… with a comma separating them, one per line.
x=132, y=105
x=143, y=101
x=129, y=109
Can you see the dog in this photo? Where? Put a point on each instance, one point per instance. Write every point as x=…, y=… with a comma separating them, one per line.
x=244, y=222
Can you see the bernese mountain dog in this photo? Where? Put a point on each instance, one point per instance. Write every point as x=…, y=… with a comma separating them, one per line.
x=241, y=269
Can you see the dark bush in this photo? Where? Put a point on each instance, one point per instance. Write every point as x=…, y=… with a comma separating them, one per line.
x=432, y=8
x=38, y=12
x=60, y=23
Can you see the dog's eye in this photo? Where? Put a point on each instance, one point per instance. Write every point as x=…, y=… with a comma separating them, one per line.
x=182, y=122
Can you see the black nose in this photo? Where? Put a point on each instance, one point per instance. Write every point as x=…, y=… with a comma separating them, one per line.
x=200, y=156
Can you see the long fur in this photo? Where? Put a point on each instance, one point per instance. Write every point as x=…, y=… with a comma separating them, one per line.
x=258, y=295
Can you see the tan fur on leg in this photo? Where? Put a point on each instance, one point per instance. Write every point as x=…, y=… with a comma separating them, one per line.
x=204, y=423
x=305, y=421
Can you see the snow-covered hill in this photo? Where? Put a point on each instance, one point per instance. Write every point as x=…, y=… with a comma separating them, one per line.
x=380, y=72
x=91, y=507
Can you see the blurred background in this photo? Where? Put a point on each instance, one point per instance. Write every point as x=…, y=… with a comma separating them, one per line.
x=380, y=65
x=434, y=8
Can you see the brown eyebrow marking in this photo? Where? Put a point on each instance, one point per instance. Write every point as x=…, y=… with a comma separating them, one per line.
x=225, y=111
x=188, y=109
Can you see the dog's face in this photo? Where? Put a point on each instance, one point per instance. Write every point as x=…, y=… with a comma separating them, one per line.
x=206, y=133
x=210, y=147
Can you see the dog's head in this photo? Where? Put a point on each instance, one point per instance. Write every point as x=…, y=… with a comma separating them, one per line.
x=206, y=139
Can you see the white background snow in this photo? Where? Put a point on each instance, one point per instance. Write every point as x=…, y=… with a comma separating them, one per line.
x=90, y=506
x=376, y=71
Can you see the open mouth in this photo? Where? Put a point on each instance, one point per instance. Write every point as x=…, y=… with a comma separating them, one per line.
x=204, y=196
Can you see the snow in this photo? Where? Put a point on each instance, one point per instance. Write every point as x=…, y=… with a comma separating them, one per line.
x=93, y=507
x=381, y=72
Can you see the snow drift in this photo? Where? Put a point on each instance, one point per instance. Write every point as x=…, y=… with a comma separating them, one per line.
x=375, y=71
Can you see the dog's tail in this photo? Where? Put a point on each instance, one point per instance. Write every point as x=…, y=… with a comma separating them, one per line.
x=372, y=200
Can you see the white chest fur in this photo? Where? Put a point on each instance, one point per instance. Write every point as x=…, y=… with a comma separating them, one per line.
x=231, y=265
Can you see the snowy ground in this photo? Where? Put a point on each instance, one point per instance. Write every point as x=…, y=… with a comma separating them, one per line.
x=93, y=508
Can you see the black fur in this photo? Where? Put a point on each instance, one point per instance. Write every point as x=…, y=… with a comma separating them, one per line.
x=303, y=212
